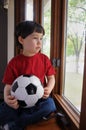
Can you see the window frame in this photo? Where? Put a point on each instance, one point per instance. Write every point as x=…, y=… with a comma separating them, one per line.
x=58, y=27
x=78, y=119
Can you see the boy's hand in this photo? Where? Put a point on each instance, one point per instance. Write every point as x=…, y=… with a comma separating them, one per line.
x=11, y=101
x=47, y=92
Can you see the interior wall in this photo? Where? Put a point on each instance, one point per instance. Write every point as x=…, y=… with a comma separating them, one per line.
x=3, y=44
x=6, y=38
x=10, y=30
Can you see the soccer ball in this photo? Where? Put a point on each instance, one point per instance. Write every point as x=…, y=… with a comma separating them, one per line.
x=27, y=89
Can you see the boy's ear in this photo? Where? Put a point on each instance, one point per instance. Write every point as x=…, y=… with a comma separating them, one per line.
x=20, y=39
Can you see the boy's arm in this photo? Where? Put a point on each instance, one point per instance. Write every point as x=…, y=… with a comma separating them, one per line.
x=50, y=86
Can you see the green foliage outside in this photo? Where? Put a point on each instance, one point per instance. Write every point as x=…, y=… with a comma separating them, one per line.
x=47, y=22
x=77, y=16
x=46, y=39
x=70, y=48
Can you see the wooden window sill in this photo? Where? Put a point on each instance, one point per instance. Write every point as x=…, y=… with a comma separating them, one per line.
x=44, y=125
x=74, y=117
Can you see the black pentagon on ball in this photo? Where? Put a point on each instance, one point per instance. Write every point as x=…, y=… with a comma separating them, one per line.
x=26, y=75
x=22, y=103
x=31, y=89
x=15, y=86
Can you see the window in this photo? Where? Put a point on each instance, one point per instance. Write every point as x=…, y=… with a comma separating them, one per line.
x=46, y=21
x=74, y=52
x=29, y=10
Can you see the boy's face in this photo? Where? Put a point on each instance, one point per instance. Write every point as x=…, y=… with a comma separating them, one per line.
x=32, y=44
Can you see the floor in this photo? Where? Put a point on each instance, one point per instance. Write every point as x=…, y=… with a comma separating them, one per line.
x=45, y=125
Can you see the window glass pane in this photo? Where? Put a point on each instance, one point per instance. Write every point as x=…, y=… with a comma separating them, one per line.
x=75, y=48
x=29, y=10
x=46, y=19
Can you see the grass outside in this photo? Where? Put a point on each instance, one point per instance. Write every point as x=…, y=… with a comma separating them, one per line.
x=73, y=88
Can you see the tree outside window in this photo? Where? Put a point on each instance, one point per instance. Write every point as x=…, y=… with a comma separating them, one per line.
x=75, y=48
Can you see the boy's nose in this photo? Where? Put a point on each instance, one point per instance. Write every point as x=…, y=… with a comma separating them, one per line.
x=39, y=42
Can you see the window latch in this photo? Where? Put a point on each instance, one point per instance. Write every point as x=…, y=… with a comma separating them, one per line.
x=56, y=62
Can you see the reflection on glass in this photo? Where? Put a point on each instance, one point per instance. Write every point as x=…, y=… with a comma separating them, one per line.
x=29, y=10
x=75, y=48
x=47, y=24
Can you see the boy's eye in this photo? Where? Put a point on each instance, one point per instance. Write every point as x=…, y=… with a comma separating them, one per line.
x=35, y=38
x=38, y=38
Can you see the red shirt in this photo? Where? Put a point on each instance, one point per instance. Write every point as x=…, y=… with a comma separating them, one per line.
x=38, y=65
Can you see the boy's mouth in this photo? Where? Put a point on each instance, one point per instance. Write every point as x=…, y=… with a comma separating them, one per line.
x=38, y=48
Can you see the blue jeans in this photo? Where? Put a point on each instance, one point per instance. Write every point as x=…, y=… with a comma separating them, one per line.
x=20, y=118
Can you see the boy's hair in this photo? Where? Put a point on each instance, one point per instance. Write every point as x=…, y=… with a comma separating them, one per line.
x=25, y=28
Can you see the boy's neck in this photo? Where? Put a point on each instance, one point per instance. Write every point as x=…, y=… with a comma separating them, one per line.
x=29, y=54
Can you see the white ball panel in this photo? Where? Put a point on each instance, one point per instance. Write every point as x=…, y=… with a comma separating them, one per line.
x=31, y=100
x=23, y=81
x=40, y=91
x=35, y=80
x=20, y=93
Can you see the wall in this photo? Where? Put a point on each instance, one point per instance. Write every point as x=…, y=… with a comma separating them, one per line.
x=6, y=38
x=10, y=30
x=3, y=44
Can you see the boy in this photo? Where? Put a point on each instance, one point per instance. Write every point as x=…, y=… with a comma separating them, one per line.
x=29, y=35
